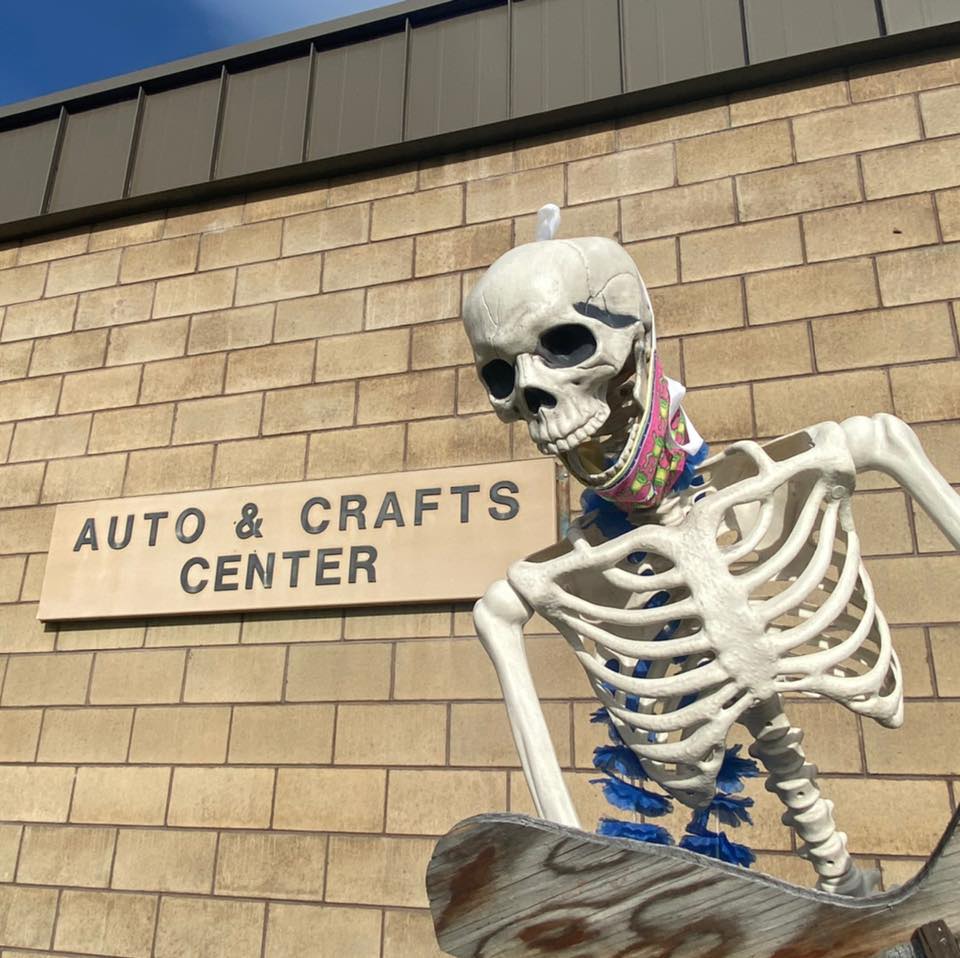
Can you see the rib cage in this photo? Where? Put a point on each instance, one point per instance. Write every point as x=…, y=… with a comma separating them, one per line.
x=747, y=586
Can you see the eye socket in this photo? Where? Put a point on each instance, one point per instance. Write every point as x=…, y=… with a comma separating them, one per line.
x=567, y=345
x=500, y=378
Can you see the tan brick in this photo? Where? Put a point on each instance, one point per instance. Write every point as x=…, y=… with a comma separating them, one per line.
x=182, y=378
x=416, y=213
x=234, y=675
x=310, y=407
x=227, y=417
x=930, y=165
x=378, y=871
x=6, y=434
x=417, y=735
x=168, y=470
x=85, y=735
x=314, y=316
x=115, y=306
x=354, y=266
x=106, y=922
x=552, y=148
x=45, y=317
x=90, y=271
x=513, y=193
x=55, y=246
x=439, y=344
x=899, y=581
x=406, y=622
x=589, y=219
x=20, y=485
x=10, y=836
x=556, y=673
x=811, y=291
x=741, y=249
x=19, y=732
x=945, y=643
x=907, y=74
x=11, y=576
x=56, y=679
x=282, y=734
x=795, y=97
x=882, y=523
x=50, y=438
x=100, y=389
x=150, y=859
x=203, y=218
x=677, y=210
x=21, y=631
x=58, y=855
x=920, y=275
x=673, y=123
x=789, y=404
x=940, y=110
x=141, y=677
x=140, y=228
x=940, y=442
x=346, y=932
x=849, y=129
x=804, y=186
x=208, y=927
x=284, y=201
x=759, y=353
x=414, y=302
x=915, y=660
x=416, y=395
x=8, y=253
x=929, y=536
x=587, y=798
x=27, y=918
x=14, y=360
x=468, y=247
x=35, y=793
x=898, y=335
x=444, y=669
x=657, y=261
x=231, y=329
x=194, y=630
x=137, y=428
x=271, y=866
x=180, y=735
x=241, y=244
x=170, y=257
x=25, y=530
x=471, y=393
x=25, y=400
x=61, y=354
x=269, y=367
x=120, y=796
x=221, y=797
x=348, y=452
x=617, y=174
x=897, y=872
x=257, y=461
x=359, y=187
x=409, y=931
x=160, y=339
x=431, y=802
x=948, y=210
x=698, y=307
x=330, y=799
x=22, y=284
x=199, y=293
x=926, y=392
x=336, y=672
x=299, y=625
x=97, y=635
x=94, y=477
x=734, y=151
x=465, y=166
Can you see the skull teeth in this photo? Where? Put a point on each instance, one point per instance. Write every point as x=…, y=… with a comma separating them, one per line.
x=555, y=447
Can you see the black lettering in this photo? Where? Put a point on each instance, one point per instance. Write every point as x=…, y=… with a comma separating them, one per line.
x=112, y=533
x=464, y=492
x=256, y=568
x=314, y=528
x=198, y=517
x=201, y=563
x=294, y=559
x=88, y=536
x=154, y=519
x=496, y=495
x=225, y=571
x=369, y=557
x=352, y=507
x=420, y=505
x=389, y=512
x=324, y=566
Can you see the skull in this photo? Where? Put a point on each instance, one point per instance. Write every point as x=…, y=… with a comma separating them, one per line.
x=557, y=328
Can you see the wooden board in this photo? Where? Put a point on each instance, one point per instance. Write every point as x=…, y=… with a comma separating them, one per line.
x=508, y=885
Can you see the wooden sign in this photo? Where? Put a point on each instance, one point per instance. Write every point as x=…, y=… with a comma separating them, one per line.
x=430, y=536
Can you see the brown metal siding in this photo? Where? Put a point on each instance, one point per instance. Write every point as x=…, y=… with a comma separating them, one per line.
x=25, y=156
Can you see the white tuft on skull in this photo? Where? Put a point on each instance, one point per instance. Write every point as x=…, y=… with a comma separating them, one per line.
x=552, y=325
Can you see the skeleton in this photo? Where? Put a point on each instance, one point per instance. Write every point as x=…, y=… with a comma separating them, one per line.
x=755, y=574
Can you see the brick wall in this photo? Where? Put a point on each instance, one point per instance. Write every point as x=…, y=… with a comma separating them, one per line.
x=231, y=787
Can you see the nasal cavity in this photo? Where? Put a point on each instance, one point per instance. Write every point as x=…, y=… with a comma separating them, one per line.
x=535, y=398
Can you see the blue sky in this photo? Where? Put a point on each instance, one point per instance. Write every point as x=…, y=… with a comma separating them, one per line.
x=49, y=45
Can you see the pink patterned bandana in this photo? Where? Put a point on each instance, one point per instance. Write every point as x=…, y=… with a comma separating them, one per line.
x=660, y=448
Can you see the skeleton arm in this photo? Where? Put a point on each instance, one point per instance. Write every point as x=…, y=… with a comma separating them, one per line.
x=888, y=444
x=500, y=616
